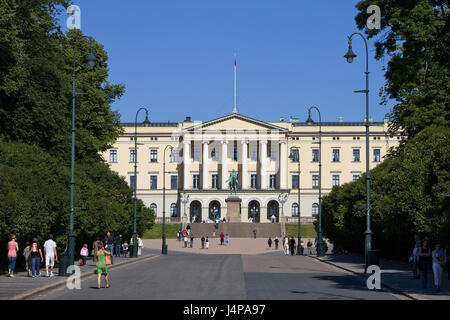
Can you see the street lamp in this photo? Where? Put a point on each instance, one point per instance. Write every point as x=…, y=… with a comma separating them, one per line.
x=350, y=55
x=91, y=61
x=184, y=200
x=134, y=251
x=319, y=236
x=164, y=246
x=297, y=158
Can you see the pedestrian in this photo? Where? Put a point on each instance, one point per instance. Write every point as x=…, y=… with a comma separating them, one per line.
x=13, y=248
x=424, y=262
x=101, y=268
x=188, y=229
x=125, y=249
x=50, y=254
x=276, y=243
x=222, y=238
x=269, y=242
x=224, y=220
x=273, y=218
x=254, y=234
x=179, y=235
x=192, y=242
x=140, y=245
x=203, y=242
x=26, y=255
x=84, y=252
x=292, y=246
x=309, y=246
x=439, y=260
x=286, y=245
x=185, y=239
x=36, y=253
x=415, y=260
x=109, y=244
x=214, y=234
x=118, y=241
x=227, y=239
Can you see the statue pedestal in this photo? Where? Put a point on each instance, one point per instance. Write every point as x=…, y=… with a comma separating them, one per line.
x=233, y=209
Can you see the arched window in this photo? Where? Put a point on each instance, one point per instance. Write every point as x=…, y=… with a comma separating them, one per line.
x=173, y=210
x=295, y=209
x=315, y=209
x=154, y=208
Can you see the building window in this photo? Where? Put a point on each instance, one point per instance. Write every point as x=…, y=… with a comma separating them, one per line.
x=173, y=182
x=355, y=177
x=254, y=154
x=153, y=155
x=376, y=155
x=273, y=154
x=196, y=181
x=196, y=154
x=174, y=155
x=315, y=155
x=336, y=155
x=315, y=209
x=295, y=181
x=235, y=154
x=273, y=181
x=173, y=210
x=154, y=208
x=294, y=156
x=214, y=155
x=315, y=181
x=112, y=155
x=335, y=180
x=356, y=155
x=132, y=155
x=253, y=181
x=294, y=209
x=153, y=182
x=215, y=181
x=132, y=182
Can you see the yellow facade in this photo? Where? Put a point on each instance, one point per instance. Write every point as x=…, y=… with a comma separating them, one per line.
x=207, y=149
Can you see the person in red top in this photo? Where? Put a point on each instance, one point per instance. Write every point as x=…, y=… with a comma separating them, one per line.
x=13, y=248
x=222, y=237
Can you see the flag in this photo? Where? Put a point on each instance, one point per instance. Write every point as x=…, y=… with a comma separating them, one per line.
x=235, y=61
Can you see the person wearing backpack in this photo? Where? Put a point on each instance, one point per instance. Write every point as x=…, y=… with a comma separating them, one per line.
x=36, y=253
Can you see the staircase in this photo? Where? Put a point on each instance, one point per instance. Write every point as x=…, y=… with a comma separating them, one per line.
x=237, y=229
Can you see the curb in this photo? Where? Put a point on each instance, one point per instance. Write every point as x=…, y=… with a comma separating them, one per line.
x=62, y=282
x=396, y=290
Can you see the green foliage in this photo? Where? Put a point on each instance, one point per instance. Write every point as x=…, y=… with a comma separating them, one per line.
x=415, y=35
x=35, y=198
x=406, y=198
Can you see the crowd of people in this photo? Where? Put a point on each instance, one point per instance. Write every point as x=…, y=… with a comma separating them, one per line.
x=35, y=254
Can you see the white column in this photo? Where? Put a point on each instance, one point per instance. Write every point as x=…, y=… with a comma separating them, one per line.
x=224, y=174
x=244, y=178
x=205, y=178
x=283, y=165
x=263, y=161
x=186, y=163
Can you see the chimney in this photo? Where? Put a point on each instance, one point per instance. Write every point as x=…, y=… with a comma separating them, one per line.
x=188, y=119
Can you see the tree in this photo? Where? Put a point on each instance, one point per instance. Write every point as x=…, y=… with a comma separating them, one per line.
x=415, y=34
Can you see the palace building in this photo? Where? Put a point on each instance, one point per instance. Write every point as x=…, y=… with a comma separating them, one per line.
x=199, y=157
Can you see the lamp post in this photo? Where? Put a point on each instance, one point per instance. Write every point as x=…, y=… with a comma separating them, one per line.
x=319, y=236
x=134, y=251
x=164, y=246
x=294, y=158
x=350, y=55
x=91, y=61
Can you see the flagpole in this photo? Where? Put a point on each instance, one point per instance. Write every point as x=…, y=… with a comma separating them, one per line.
x=234, y=109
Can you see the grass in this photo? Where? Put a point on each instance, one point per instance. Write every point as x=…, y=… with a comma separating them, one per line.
x=156, y=231
x=306, y=230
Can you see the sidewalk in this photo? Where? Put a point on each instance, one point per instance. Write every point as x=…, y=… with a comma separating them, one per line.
x=395, y=275
x=23, y=287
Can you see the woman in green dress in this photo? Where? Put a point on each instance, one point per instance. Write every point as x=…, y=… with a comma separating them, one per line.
x=101, y=265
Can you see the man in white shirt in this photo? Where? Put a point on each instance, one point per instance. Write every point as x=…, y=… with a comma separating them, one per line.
x=50, y=254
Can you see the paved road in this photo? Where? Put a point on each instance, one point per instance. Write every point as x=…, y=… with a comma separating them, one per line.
x=192, y=276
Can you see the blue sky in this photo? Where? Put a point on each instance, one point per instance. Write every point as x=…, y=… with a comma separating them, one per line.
x=176, y=57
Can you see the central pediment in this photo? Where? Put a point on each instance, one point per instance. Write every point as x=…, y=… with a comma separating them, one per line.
x=234, y=122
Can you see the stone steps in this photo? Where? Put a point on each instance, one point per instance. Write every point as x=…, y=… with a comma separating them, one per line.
x=237, y=229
